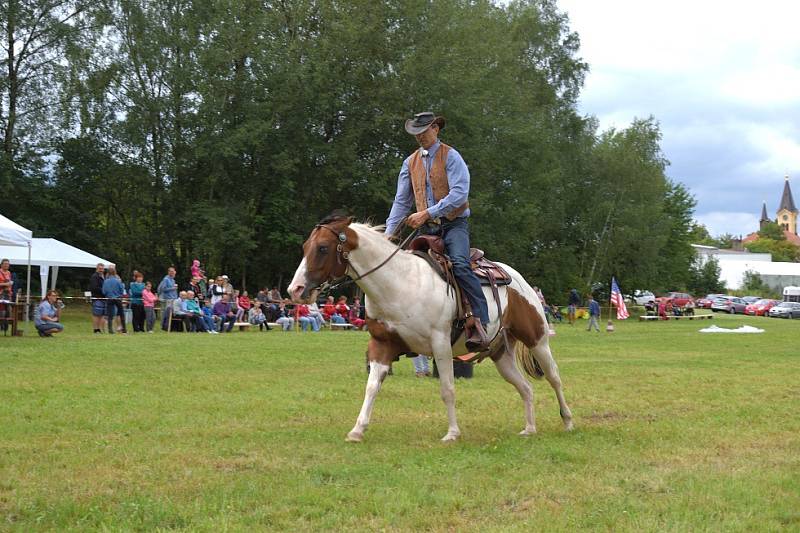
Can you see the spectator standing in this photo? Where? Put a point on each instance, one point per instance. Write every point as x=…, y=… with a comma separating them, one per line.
x=197, y=290
x=223, y=310
x=421, y=368
x=167, y=294
x=594, y=314
x=149, y=305
x=136, y=288
x=227, y=288
x=574, y=302
x=216, y=290
x=6, y=289
x=98, y=300
x=47, y=315
x=114, y=290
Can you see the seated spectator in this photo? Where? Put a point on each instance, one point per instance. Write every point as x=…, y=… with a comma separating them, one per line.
x=244, y=307
x=191, y=308
x=212, y=321
x=284, y=317
x=178, y=312
x=222, y=309
x=650, y=308
x=257, y=317
x=316, y=314
x=47, y=314
x=557, y=316
x=328, y=309
x=275, y=295
x=302, y=315
x=355, y=314
x=689, y=309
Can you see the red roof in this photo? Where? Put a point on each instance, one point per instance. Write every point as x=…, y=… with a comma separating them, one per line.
x=791, y=237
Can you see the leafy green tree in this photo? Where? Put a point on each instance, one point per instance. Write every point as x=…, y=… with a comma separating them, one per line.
x=781, y=250
x=704, y=277
x=771, y=230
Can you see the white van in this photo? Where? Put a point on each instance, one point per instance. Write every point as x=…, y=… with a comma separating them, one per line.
x=791, y=294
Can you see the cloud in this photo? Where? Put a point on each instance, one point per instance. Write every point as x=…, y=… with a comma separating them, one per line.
x=720, y=222
x=723, y=80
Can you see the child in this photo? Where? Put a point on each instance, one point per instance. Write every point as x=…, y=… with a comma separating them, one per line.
x=149, y=300
x=257, y=317
x=244, y=306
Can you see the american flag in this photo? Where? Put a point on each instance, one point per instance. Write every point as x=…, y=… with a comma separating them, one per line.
x=618, y=301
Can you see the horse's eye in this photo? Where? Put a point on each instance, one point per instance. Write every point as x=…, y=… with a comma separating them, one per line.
x=323, y=249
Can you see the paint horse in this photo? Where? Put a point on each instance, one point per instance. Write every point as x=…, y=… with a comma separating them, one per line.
x=409, y=309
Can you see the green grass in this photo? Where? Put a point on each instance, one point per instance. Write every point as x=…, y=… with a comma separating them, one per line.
x=675, y=431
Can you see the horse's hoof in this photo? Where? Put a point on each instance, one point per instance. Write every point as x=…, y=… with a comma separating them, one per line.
x=354, y=437
x=568, y=426
x=528, y=432
x=450, y=437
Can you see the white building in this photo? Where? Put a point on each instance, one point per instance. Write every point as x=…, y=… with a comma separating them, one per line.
x=734, y=263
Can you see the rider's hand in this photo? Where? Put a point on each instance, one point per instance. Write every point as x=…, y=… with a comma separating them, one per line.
x=418, y=219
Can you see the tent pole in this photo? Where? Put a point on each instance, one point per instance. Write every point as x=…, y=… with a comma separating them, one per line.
x=28, y=287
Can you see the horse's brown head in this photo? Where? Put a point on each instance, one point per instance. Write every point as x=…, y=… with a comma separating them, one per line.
x=325, y=255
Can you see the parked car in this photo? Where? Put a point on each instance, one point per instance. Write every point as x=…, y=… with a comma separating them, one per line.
x=707, y=301
x=729, y=304
x=786, y=310
x=677, y=298
x=641, y=297
x=761, y=307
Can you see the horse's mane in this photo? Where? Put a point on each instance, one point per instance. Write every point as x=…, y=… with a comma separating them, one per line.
x=340, y=216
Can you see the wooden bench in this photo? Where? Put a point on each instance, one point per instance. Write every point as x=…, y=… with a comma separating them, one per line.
x=672, y=317
x=243, y=326
x=341, y=327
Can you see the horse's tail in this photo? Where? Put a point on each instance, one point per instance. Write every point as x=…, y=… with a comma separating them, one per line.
x=527, y=361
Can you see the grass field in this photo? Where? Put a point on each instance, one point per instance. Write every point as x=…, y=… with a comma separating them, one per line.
x=675, y=431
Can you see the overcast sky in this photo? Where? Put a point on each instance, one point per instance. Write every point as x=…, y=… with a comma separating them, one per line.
x=723, y=80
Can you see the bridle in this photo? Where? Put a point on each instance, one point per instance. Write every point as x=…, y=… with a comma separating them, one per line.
x=343, y=259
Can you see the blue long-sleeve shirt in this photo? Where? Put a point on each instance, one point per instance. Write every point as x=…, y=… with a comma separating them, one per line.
x=594, y=308
x=167, y=289
x=457, y=179
x=113, y=287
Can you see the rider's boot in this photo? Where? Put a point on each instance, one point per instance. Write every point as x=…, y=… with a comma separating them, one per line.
x=477, y=341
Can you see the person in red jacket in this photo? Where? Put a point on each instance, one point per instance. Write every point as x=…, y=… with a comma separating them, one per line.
x=244, y=306
x=328, y=309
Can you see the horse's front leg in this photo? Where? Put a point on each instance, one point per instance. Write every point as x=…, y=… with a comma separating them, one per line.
x=378, y=370
x=443, y=354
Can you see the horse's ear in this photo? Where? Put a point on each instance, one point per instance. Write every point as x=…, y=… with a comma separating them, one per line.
x=350, y=220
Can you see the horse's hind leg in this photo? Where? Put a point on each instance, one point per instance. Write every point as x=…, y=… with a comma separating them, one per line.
x=507, y=368
x=545, y=359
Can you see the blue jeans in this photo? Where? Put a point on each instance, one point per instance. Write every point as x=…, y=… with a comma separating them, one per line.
x=420, y=364
x=114, y=306
x=456, y=242
x=306, y=321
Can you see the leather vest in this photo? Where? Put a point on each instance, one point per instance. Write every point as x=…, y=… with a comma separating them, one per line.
x=438, y=177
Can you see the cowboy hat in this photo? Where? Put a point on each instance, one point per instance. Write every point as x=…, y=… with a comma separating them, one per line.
x=423, y=121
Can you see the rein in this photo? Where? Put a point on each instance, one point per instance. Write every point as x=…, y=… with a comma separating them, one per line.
x=343, y=257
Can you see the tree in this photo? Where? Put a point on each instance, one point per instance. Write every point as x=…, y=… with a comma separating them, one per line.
x=771, y=230
x=781, y=250
x=753, y=283
x=704, y=277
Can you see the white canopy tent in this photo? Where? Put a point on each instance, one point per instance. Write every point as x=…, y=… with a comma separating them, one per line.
x=51, y=253
x=13, y=235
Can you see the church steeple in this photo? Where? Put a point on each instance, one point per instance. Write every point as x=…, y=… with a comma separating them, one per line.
x=787, y=202
x=764, y=218
x=787, y=212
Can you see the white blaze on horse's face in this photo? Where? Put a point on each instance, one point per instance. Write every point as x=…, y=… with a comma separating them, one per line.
x=324, y=257
x=298, y=283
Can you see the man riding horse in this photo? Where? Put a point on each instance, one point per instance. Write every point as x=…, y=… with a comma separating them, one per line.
x=435, y=178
